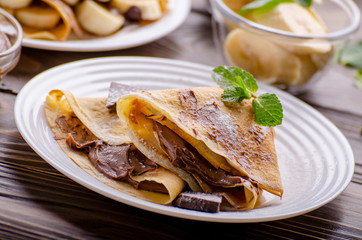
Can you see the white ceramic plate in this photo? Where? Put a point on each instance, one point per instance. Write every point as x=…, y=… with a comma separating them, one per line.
x=130, y=36
x=316, y=161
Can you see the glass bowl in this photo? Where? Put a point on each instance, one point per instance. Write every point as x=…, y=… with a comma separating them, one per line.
x=11, y=35
x=289, y=60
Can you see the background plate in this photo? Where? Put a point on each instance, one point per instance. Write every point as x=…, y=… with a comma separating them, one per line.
x=315, y=159
x=130, y=36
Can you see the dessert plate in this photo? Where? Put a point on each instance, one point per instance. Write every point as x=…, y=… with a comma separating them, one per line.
x=129, y=36
x=316, y=161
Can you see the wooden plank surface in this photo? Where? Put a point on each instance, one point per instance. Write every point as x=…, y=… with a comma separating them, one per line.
x=38, y=202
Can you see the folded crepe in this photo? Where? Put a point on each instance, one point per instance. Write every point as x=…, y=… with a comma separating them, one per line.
x=216, y=147
x=64, y=27
x=96, y=140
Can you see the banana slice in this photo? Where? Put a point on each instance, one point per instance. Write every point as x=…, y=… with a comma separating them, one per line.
x=38, y=17
x=291, y=67
x=309, y=46
x=96, y=19
x=15, y=3
x=292, y=17
x=307, y=67
x=265, y=59
x=307, y=70
x=314, y=45
x=150, y=9
x=254, y=54
x=321, y=60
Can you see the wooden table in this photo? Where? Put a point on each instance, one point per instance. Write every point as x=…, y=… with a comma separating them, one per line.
x=38, y=202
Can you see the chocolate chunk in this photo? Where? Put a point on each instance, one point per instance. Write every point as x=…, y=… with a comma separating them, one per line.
x=116, y=91
x=133, y=14
x=199, y=201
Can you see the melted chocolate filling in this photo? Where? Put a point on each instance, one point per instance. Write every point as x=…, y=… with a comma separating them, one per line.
x=117, y=162
x=183, y=155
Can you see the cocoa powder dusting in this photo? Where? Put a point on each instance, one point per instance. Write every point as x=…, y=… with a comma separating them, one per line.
x=241, y=146
x=188, y=99
x=219, y=125
x=259, y=132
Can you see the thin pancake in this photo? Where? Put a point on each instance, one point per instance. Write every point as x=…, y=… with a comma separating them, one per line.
x=223, y=133
x=64, y=27
x=107, y=127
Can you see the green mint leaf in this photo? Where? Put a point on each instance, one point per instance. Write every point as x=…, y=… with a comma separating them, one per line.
x=236, y=80
x=352, y=56
x=268, y=110
x=305, y=3
x=238, y=85
x=234, y=94
x=223, y=78
x=261, y=6
x=358, y=82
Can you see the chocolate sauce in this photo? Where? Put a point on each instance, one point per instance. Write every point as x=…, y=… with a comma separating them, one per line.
x=120, y=162
x=185, y=156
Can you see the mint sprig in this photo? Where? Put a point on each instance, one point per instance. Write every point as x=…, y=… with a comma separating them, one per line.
x=238, y=85
x=263, y=6
x=358, y=82
x=351, y=56
x=268, y=110
x=305, y=3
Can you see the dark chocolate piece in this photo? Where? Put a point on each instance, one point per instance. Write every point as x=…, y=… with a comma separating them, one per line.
x=133, y=14
x=199, y=201
x=116, y=91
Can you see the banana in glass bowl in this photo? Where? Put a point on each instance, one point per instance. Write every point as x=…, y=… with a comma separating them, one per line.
x=284, y=43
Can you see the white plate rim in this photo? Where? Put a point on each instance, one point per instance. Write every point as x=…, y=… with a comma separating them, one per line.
x=169, y=210
x=172, y=20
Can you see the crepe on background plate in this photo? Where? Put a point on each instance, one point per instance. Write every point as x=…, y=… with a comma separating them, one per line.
x=219, y=147
x=62, y=30
x=88, y=122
